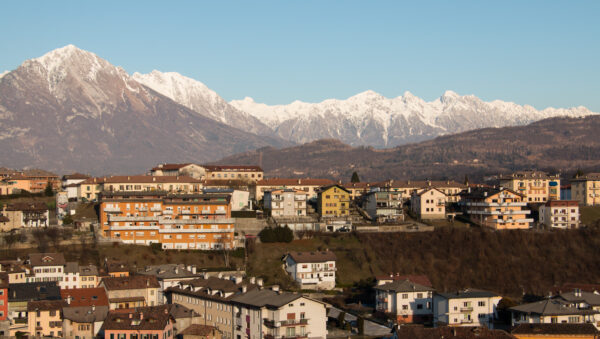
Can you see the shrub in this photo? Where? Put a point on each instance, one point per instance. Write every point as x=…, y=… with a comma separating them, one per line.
x=277, y=234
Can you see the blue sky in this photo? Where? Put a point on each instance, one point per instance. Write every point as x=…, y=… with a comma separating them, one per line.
x=543, y=53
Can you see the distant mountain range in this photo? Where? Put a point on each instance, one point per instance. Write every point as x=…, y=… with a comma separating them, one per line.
x=71, y=110
x=554, y=145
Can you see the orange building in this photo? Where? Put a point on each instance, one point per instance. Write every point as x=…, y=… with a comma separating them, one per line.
x=177, y=221
x=496, y=208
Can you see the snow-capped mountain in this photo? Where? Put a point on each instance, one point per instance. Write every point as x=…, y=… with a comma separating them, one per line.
x=198, y=97
x=72, y=110
x=369, y=118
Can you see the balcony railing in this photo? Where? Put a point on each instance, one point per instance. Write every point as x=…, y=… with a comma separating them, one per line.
x=290, y=322
x=466, y=321
x=466, y=309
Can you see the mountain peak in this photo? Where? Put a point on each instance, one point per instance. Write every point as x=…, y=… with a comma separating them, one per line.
x=449, y=95
x=368, y=94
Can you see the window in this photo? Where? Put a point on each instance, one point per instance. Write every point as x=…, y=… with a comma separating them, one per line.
x=481, y=315
x=405, y=296
x=481, y=304
x=405, y=307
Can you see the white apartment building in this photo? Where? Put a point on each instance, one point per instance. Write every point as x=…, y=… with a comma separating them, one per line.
x=71, y=276
x=312, y=270
x=560, y=214
x=465, y=308
x=286, y=202
x=272, y=314
x=46, y=267
x=408, y=301
x=429, y=203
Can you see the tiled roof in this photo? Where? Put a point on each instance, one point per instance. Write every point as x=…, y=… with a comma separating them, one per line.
x=199, y=330
x=526, y=175
x=146, y=179
x=468, y=294
x=45, y=305
x=169, y=167
x=404, y=286
x=265, y=298
x=424, y=183
x=236, y=168
x=85, y=314
x=38, y=173
x=168, y=271
x=309, y=257
x=485, y=192
x=294, y=182
x=85, y=296
x=47, y=259
x=417, y=279
x=75, y=176
x=562, y=203
x=554, y=329
x=549, y=307
x=27, y=206
x=130, y=283
x=225, y=182
x=88, y=270
x=589, y=298
x=412, y=332
x=154, y=318
x=91, y=181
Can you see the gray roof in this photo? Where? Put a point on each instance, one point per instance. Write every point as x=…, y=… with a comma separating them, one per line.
x=549, y=307
x=72, y=267
x=404, y=286
x=266, y=298
x=589, y=298
x=179, y=311
x=47, y=259
x=88, y=270
x=85, y=314
x=168, y=271
x=468, y=294
x=33, y=291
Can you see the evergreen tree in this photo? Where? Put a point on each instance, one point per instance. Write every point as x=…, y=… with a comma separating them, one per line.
x=355, y=177
x=48, y=191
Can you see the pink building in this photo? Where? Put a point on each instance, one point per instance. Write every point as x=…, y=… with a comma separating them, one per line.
x=139, y=323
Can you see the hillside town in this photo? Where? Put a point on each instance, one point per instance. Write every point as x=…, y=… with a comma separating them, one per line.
x=48, y=288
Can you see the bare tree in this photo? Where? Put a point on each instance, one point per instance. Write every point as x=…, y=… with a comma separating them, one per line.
x=39, y=238
x=10, y=239
x=54, y=234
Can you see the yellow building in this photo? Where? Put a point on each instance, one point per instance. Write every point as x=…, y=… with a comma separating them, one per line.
x=89, y=189
x=496, y=208
x=333, y=201
x=586, y=189
x=534, y=185
x=44, y=318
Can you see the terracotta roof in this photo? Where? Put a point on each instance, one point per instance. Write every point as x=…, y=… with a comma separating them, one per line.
x=527, y=175
x=427, y=189
x=553, y=329
x=27, y=206
x=45, y=305
x=91, y=181
x=225, y=182
x=199, y=330
x=169, y=167
x=236, y=168
x=350, y=185
x=562, y=203
x=146, y=179
x=294, y=182
x=75, y=176
x=125, y=299
x=154, y=318
x=133, y=282
x=424, y=183
x=309, y=257
x=114, y=266
x=88, y=270
x=47, y=259
x=85, y=296
x=417, y=279
x=572, y=286
x=411, y=332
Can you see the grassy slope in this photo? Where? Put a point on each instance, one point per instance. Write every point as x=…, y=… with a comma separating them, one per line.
x=589, y=214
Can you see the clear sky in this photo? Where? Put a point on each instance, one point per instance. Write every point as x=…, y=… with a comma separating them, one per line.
x=543, y=53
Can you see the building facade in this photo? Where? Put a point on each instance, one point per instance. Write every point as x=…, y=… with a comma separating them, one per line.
x=535, y=186
x=560, y=214
x=312, y=270
x=285, y=202
x=407, y=301
x=333, y=202
x=308, y=185
x=465, y=308
x=496, y=208
x=586, y=189
x=428, y=203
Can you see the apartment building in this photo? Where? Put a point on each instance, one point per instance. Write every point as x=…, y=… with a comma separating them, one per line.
x=88, y=276
x=132, y=291
x=560, y=214
x=358, y=189
x=465, y=308
x=586, y=189
x=553, y=311
x=496, y=208
x=535, y=186
x=33, y=214
x=47, y=267
x=141, y=323
x=308, y=185
x=90, y=189
x=428, y=203
x=383, y=205
x=71, y=182
x=35, y=180
x=4, y=298
x=135, y=183
x=312, y=270
x=170, y=275
x=239, y=172
x=81, y=322
x=272, y=314
x=286, y=202
x=177, y=221
x=19, y=295
x=407, y=301
x=333, y=201
x=71, y=276
x=44, y=318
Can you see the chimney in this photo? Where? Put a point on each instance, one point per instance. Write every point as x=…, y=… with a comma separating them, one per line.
x=577, y=292
x=69, y=300
x=147, y=282
x=259, y=282
x=299, y=181
x=93, y=308
x=275, y=288
x=244, y=289
x=153, y=179
x=252, y=280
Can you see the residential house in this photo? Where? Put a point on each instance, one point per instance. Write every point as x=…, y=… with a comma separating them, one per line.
x=583, y=300
x=240, y=199
x=71, y=182
x=496, y=208
x=358, y=189
x=413, y=332
x=31, y=214
x=197, y=331
x=130, y=292
x=312, y=270
x=17, y=273
x=191, y=170
x=116, y=269
x=71, y=277
x=80, y=322
x=586, y=189
x=465, y=308
x=47, y=267
x=553, y=311
x=44, y=318
x=140, y=323
x=383, y=205
x=137, y=183
x=428, y=203
x=238, y=172
x=177, y=221
x=285, y=202
x=407, y=301
x=19, y=295
x=270, y=314
x=184, y=317
x=560, y=214
x=535, y=186
x=555, y=331
x=88, y=276
x=333, y=202
x=449, y=187
x=90, y=189
x=308, y=185
x=170, y=275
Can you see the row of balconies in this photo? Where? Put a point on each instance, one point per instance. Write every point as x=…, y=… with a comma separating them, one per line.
x=196, y=221
x=507, y=212
x=496, y=204
x=289, y=322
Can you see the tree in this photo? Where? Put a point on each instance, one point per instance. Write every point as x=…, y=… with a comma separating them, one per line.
x=53, y=234
x=67, y=220
x=39, y=238
x=579, y=173
x=355, y=177
x=49, y=191
x=10, y=239
x=361, y=325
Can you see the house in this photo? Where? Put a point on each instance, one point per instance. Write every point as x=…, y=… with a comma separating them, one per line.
x=84, y=297
x=552, y=311
x=71, y=276
x=239, y=172
x=19, y=295
x=70, y=183
x=169, y=275
x=83, y=321
x=383, y=205
x=412, y=332
x=358, y=189
x=191, y=170
x=270, y=313
x=586, y=189
x=177, y=221
x=581, y=299
x=285, y=202
x=312, y=270
x=407, y=301
x=8, y=186
x=308, y=185
x=240, y=199
x=465, y=308
x=116, y=268
x=88, y=276
x=31, y=214
x=558, y=331
x=560, y=214
x=429, y=204
x=89, y=189
x=130, y=292
x=34, y=180
x=333, y=202
x=142, y=322
x=197, y=331
x=136, y=183
x=535, y=186
x=184, y=317
x=449, y=187
x=47, y=267
x=44, y=318
x=497, y=208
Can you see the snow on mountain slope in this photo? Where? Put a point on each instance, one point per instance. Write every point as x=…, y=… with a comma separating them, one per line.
x=369, y=118
x=198, y=97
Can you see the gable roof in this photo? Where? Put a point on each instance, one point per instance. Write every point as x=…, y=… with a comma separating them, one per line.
x=589, y=298
x=481, y=192
x=45, y=305
x=133, y=282
x=75, y=176
x=549, y=307
x=411, y=332
x=428, y=189
x=36, y=206
x=146, y=179
x=417, y=279
x=151, y=318
x=169, y=167
x=168, y=271
x=85, y=296
x=85, y=314
x=47, y=259
x=310, y=257
x=404, y=286
x=325, y=188
x=265, y=298
x=469, y=294
x=549, y=329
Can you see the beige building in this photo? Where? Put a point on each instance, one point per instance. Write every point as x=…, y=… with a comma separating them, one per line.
x=89, y=189
x=560, y=214
x=44, y=318
x=136, y=183
x=132, y=291
x=285, y=202
x=535, y=186
x=190, y=170
x=83, y=321
x=586, y=189
x=308, y=185
x=496, y=208
x=88, y=276
x=450, y=188
x=238, y=172
x=24, y=215
x=429, y=203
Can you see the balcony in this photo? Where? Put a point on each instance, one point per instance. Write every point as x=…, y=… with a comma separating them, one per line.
x=196, y=221
x=112, y=210
x=139, y=218
x=186, y=212
x=156, y=209
x=143, y=209
x=290, y=322
x=466, y=309
x=466, y=321
x=167, y=212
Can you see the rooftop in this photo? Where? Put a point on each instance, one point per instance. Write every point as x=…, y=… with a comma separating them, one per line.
x=468, y=294
x=553, y=329
x=549, y=307
x=85, y=296
x=404, y=286
x=294, y=182
x=47, y=259
x=133, y=282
